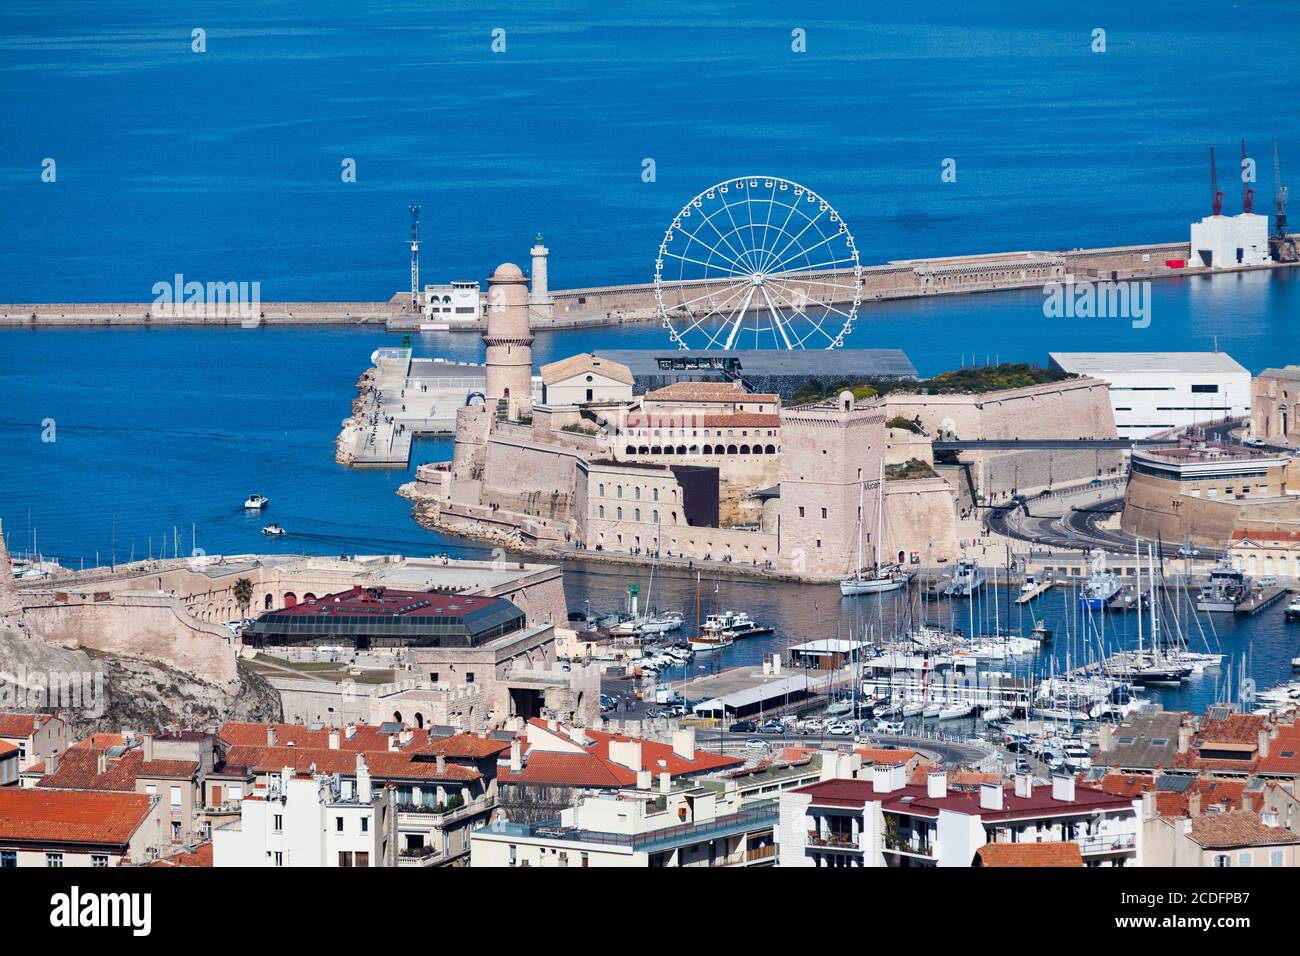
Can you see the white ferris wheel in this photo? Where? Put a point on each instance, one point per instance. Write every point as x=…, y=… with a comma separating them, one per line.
x=758, y=262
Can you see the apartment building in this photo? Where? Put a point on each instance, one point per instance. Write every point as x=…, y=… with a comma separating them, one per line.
x=65, y=828
x=35, y=735
x=885, y=821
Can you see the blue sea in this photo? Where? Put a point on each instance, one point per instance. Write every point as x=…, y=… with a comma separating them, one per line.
x=226, y=164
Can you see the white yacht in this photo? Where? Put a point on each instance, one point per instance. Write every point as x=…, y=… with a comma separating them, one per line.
x=257, y=502
x=273, y=529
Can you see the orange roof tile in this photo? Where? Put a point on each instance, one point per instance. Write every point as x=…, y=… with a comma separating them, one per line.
x=201, y=855
x=79, y=770
x=62, y=816
x=20, y=725
x=383, y=764
x=555, y=769
x=365, y=736
x=1030, y=854
x=1237, y=828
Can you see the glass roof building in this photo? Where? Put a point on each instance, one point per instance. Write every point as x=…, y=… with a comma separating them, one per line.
x=366, y=617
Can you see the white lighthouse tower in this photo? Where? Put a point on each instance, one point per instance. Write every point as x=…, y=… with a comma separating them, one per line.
x=540, y=302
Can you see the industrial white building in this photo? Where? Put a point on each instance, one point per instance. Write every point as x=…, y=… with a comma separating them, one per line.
x=1221, y=242
x=450, y=304
x=1153, y=392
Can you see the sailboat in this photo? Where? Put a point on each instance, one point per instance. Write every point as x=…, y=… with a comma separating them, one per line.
x=880, y=577
x=704, y=640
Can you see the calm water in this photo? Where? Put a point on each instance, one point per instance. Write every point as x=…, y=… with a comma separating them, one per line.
x=225, y=165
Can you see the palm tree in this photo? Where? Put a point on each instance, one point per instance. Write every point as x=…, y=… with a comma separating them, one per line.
x=243, y=591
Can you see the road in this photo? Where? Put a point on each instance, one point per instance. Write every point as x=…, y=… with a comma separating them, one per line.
x=1073, y=521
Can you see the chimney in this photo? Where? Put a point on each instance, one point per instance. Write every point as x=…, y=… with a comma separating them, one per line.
x=270, y=735
x=441, y=764
x=1105, y=738
x=626, y=753
x=1024, y=785
x=990, y=796
x=1149, y=805
x=684, y=743
x=363, y=779
x=1247, y=801
x=1063, y=788
x=644, y=780
x=334, y=738
x=350, y=730
x=1263, y=743
x=665, y=782
x=392, y=742
x=936, y=784
x=886, y=779
x=1184, y=738
x=1194, y=805
x=101, y=762
x=36, y=721
x=406, y=736
x=146, y=748
x=52, y=764
x=516, y=755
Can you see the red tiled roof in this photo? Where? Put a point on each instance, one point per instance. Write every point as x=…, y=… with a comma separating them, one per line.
x=656, y=757
x=366, y=736
x=550, y=768
x=1237, y=828
x=1030, y=854
x=201, y=855
x=383, y=764
x=6, y=748
x=99, y=741
x=883, y=756
x=79, y=770
x=736, y=420
x=61, y=816
x=20, y=725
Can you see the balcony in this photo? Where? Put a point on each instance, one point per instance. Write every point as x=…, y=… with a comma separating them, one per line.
x=833, y=841
x=913, y=845
x=418, y=857
x=1108, y=843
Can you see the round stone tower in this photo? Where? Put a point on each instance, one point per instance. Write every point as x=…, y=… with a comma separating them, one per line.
x=11, y=607
x=509, y=339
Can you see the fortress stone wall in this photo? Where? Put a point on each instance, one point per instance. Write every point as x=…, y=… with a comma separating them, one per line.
x=919, y=520
x=1072, y=408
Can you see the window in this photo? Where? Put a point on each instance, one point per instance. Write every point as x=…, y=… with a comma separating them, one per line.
x=1276, y=858
x=638, y=514
x=54, y=860
x=601, y=488
x=433, y=677
x=338, y=824
x=655, y=494
x=638, y=492
x=618, y=513
x=801, y=511
x=823, y=513
x=151, y=789
x=278, y=859
x=365, y=824
x=1204, y=389
x=235, y=791
x=99, y=860
x=176, y=798
x=1246, y=858
x=1222, y=860
x=600, y=511
x=176, y=830
x=278, y=825
x=8, y=859
x=469, y=677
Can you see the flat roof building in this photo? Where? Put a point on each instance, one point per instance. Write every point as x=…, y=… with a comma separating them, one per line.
x=1153, y=392
x=762, y=370
x=386, y=617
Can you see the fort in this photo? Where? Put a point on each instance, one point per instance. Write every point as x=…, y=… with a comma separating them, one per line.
x=579, y=463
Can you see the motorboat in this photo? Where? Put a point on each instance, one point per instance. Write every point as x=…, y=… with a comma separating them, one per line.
x=1031, y=582
x=257, y=502
x=662, y=623
x=727, y=621
x=1226, y=589
x=273, y=529
x=1293, y=611
x=1100, y=588
x=967, y=578
x=994, y=714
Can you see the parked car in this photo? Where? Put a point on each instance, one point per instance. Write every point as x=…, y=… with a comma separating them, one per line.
x=772, y=727
x=1267, y=581
x=813, y=725
x=1253, y=440
x=841, y=728
x=743, y=727
x=756, y=743
x=889, y=727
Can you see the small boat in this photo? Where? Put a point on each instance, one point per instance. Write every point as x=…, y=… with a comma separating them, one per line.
x=956, y=711
x=967, y=578
x=662, y=623
x=1226, y=589
x=257, y=502
x=995, y=714
x=1041, y=633
x=1030, y=583
x=727, y=621
x=273, y=529
x=931, y=710
x=1293, y=611
x=706, y=643
x=1101, y=587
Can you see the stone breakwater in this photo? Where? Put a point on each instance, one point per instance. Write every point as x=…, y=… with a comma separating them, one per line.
x=614, y=305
